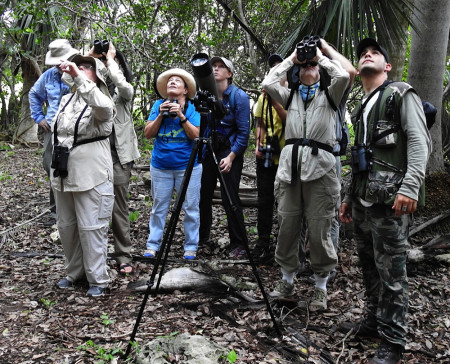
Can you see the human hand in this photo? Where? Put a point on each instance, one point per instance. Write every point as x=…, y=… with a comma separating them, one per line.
x=225, y=164
x=345, y=213
x=404, y=205
x=70, y=68
x=44, y=125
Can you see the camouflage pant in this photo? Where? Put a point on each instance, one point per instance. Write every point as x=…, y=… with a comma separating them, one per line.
x=381, y=240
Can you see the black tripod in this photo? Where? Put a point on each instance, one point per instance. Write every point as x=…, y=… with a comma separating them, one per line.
x=175, y=213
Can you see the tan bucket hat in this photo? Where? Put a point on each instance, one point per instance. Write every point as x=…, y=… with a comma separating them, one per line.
x=59, y=49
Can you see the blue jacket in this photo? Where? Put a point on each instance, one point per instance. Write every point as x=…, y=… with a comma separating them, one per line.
x=236, y=123
x=48, y=87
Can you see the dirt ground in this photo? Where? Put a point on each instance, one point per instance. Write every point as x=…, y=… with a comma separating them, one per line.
x=42, y=324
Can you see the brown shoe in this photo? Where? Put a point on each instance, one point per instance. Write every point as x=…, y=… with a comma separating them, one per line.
x=366, y=327
x=387, y=353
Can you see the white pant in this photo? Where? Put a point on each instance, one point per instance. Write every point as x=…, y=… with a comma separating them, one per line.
x=83, y=219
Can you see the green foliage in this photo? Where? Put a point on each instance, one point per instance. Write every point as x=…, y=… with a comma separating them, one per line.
x=105, y=320
x=134, y=215
x=232, y=356
x=47, y=303
x=104, y=354
x=4, y=177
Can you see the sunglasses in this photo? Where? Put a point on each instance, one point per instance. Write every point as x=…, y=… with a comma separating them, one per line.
x=312, y=64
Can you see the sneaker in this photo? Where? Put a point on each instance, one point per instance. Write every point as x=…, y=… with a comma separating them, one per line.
x=150, y=253
x=238, y=253
x=282, y=289
x=64, y=283
x=95, y=291
x=367, y=327
x=387, y=353
x=190, y=254
x=50, y=222
x=319, y=300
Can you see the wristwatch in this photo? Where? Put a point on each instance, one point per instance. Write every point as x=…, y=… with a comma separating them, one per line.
x=183, y=121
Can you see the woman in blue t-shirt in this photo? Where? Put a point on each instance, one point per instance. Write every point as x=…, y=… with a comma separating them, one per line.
x=174, y=123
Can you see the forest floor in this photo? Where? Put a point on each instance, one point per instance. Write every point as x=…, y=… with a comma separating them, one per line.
x=40, y=323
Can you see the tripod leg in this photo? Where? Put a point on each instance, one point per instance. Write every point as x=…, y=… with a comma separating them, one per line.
x=244, y=239
x=166, y=243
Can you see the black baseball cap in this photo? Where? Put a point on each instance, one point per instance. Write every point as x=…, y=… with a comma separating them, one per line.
x=370, y=42
x=274, y=58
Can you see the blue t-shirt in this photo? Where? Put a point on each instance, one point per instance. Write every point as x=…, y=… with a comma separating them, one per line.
x=172, y=147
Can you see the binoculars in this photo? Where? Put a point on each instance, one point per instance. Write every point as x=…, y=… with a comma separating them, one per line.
x=60, y=159
x=172, y=114
x=306, y=48
x=360, y=158
x=100, y=47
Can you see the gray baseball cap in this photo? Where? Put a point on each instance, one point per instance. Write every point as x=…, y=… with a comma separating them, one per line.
x=228, y=64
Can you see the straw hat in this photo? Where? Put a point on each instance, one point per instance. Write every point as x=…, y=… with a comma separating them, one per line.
x=161, y=82
x=59, y=49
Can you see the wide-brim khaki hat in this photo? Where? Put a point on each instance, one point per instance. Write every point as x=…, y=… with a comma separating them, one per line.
x=161, y=82
x=59, y=49
x=100, y=69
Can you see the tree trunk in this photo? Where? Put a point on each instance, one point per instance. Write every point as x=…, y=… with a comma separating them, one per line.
x=27, y=129
x=427, y=65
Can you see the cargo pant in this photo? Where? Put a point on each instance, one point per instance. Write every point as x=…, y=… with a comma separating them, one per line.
x=83, y=219
x=316, y=200
x=121, y=216
x=381, y=241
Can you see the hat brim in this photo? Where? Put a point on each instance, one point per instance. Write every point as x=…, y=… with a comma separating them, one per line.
x=98, y=66
x=54, y=61
x=163, y=78
x=370, y=42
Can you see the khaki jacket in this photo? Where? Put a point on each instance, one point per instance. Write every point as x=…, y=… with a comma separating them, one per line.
x=317, y=122
x=125, y=140
x=89, y=164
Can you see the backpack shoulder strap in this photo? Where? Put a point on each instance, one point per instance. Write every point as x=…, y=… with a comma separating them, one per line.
x=233, y=96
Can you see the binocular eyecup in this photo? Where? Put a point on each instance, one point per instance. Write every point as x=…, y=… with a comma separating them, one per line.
x=307, y=47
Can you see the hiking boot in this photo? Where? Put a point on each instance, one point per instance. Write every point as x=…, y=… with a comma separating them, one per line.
x=261, y=254
x=282, y=289
x=387, y=353
x=95, y=291
x=366, y=327
x=64, y=283
x=190, y=254
x=238, y=253
x=319, y=300
x=150, y=253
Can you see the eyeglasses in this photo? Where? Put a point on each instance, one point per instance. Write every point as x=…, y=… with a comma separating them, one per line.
x=312, y=64
x=85, y=66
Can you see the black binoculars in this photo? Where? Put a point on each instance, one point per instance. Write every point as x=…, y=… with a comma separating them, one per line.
x=100, y=47
x=60, y=159
x=360, y=158
x=172, y=114
x=306, y=48
x=268, y=151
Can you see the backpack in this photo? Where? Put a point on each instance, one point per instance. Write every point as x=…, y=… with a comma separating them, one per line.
x=429, y=109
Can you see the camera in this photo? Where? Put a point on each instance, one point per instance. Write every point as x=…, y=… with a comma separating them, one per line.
x=267, y=150
x=207, y=98
x=172, y=114
x=360, y=157
x=100, y=47
x=60, y=159
x=307, y=47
